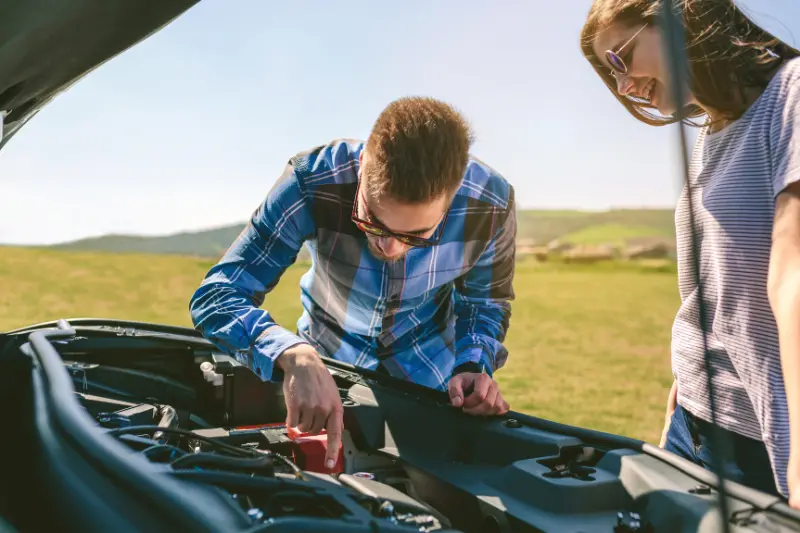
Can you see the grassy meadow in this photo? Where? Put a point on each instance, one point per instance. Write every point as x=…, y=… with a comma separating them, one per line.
x=589, y=345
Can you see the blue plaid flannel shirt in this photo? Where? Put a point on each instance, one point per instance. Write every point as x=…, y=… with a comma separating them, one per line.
x=420, y=316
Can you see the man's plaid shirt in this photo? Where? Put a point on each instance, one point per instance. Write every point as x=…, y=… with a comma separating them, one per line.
x=434, y=309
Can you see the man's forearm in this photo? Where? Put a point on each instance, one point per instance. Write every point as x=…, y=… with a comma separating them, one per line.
x=483, y=299
x=226, y=306
x=228, y=316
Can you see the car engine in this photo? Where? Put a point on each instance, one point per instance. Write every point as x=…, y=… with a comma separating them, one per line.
x=274, y=473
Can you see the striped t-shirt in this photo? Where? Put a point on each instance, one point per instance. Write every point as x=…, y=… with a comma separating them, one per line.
x=736, y=174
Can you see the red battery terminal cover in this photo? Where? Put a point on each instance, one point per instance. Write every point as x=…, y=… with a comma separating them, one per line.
x=309, y=450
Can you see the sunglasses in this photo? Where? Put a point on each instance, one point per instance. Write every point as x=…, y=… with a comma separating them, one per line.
x=380, y=230
x=618, y=66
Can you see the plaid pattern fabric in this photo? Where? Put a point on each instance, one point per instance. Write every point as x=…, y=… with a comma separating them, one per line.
x=419, y=316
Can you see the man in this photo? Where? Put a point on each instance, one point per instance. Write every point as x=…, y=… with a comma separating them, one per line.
x=413, y=249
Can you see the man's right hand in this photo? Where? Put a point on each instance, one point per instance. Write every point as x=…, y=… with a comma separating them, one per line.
x=312, y=397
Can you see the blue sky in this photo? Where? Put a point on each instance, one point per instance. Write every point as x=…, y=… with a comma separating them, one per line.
x=190, y=129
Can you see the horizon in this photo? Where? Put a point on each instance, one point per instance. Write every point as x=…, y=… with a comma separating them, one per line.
x=178, y=134
x=243, y=222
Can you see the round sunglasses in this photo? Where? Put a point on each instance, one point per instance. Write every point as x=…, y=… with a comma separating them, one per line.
x=379, y=230
x=614, y=59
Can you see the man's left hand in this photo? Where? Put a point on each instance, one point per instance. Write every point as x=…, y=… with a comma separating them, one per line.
x=482, y=394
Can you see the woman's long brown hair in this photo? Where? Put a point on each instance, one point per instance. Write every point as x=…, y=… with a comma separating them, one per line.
x=728, y=54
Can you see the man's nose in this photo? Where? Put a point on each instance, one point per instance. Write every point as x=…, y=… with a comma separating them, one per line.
x=389, y=245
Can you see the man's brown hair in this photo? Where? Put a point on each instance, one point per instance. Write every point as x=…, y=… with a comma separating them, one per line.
x=417, y=151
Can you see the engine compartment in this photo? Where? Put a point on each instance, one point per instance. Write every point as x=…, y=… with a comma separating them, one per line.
x=272, y=472
x=203, y=437
x=228, y=431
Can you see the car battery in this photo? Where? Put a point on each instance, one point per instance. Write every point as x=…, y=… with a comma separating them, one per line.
x=310, y=452
x=307, y=451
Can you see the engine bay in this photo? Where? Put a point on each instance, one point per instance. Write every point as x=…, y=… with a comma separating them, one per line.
x=270, y=470
x=160, y=415
x=220, y=425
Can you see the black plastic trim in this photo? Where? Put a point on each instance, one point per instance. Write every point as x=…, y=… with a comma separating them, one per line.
x=177, y=503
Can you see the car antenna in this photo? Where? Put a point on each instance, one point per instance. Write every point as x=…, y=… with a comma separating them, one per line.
x=674, y=33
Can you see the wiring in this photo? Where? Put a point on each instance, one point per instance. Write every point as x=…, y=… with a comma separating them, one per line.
x=297, y=472
x=232, y=450
x=157, y=451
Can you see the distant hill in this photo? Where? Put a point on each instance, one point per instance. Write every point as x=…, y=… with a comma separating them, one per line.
x=618, y=227
x=208, y=243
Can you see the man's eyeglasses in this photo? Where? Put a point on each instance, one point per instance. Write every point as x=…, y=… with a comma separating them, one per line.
x=380, y=230
x=618, y=66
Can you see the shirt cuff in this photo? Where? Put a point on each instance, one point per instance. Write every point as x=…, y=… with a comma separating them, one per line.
x=268, y=346
x=475, y=353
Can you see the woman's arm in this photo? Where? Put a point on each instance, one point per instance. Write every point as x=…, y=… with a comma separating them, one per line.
x=784, y=297
x=672, y=401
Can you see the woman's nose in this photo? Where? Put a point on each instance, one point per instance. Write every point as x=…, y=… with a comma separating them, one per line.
x=625, y=84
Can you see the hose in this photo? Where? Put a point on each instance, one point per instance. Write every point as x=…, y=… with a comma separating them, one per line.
x=211, y=460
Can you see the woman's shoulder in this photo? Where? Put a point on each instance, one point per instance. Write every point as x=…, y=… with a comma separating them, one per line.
x=781, y=94
x=791, y=67
x=786, y=82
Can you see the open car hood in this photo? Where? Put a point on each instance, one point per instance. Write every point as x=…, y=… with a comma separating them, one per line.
x=48, y=45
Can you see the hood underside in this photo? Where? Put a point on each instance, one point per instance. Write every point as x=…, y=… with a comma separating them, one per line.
x=47, y=45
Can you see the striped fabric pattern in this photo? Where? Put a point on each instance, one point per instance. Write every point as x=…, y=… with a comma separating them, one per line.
x=736, y=174
x=420, y=316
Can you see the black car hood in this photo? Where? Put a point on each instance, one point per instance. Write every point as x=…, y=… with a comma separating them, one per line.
x=47, y=45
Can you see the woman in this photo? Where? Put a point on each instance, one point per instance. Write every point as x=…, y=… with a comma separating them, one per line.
x=745, y=198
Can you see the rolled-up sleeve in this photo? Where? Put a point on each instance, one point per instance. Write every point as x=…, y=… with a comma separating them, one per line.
x=483, y=298
x=226, y=306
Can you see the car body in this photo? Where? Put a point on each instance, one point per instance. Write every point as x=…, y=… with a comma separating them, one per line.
x=123, y=426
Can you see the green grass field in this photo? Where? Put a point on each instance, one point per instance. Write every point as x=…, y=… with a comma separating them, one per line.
x=616, y=234
x=589, y=345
